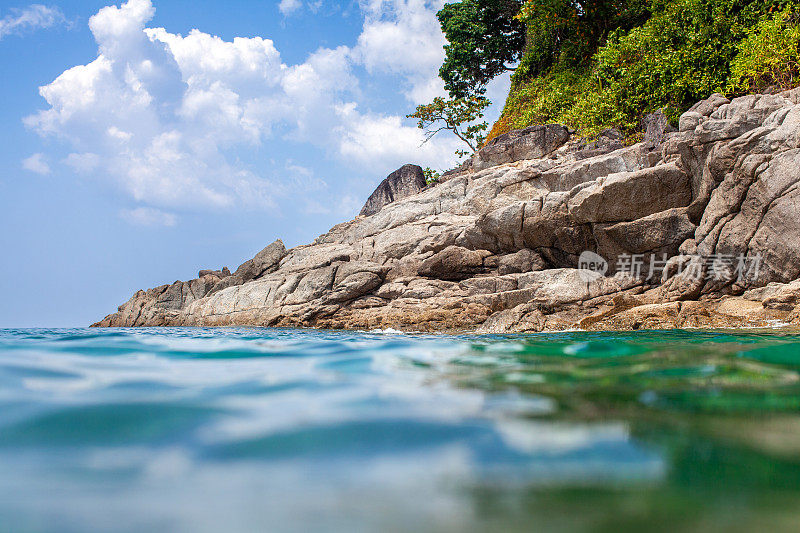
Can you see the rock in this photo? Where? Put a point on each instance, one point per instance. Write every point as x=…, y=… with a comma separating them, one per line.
x=264, y=262
x=656, y=127
x=534, y=142
x=354, y=279
x=452, y=263
x=607, y=141
x=522, y=261
x=224, y=283
x=494, y=247
x=402, y=183
x=522, y=318
x=709, y=105
x=218, y=273
x=656, y=234
x=689, y=121
x=781, y=296
x=628, y=196
x=648, y=316
x=466, y=166
x=740, y=308
x=683, y=278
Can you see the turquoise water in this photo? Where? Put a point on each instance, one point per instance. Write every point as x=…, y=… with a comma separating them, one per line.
x=230, y=430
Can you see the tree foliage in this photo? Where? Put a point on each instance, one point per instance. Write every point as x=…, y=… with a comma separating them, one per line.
x=769, y=57
x=431, y=176
x=570, y=31
x=613, y=75
x=457, y=115
x=485, y=37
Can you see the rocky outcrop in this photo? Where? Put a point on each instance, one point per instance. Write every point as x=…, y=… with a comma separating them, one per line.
x=700, y=228
x=534, y=142
x=406, y=181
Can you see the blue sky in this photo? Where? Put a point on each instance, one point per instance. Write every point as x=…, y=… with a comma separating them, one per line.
x=144, y=141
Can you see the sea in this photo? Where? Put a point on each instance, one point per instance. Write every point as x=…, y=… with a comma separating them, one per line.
x=287, y=430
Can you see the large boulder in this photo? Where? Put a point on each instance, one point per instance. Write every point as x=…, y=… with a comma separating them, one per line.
x=628, y=196
x=534, y=142
x=264, y=262
x=659, y=233
x=453, y=263
x=403, y=182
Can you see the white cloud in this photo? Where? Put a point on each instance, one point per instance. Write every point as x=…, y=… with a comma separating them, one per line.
x=36, y=163
x=148, y=216
x=31, y=18
x=288, y=7
x=404, y=37
x=172, y=118
x=380, y=141
x=157, y=110
x=84, y=163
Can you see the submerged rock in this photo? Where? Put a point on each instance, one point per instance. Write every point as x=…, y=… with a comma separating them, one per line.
x=681, y=219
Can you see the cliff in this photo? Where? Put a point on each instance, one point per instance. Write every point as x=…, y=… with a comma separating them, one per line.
x=694, y=228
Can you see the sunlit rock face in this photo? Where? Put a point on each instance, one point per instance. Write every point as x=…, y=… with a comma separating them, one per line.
x=495, y=246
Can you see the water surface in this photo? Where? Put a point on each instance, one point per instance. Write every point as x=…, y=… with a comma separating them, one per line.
x=292, y=430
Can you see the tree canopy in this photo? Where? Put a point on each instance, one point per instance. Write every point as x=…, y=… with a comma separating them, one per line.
x=596, y=64
x=570, y=31
x=485, y=38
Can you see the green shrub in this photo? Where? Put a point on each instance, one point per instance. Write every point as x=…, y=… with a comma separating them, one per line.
x=543, y=99
x=769, y=57
x=685, y=50
x=431, y=176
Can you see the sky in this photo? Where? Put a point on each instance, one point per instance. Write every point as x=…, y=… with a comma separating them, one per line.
x=144, y=141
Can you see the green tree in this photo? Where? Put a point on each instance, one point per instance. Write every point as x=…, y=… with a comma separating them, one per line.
x=457, y=115
x=485, y=37
x=570, y=31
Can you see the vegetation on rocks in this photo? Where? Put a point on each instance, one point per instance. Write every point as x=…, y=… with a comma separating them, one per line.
x=431, y=176
x=595, y=64
x=485, y=38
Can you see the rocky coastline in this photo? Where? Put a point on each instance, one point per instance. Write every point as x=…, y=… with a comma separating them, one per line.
x=540, y=231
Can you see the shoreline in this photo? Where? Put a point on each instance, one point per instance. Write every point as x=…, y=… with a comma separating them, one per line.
x=542, y=231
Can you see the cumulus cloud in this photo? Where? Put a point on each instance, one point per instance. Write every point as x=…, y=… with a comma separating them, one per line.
x=148, y=216
x=33, y=17
x=404, y=37
x=36, y=163
x=374, y=140
x=171, y=118
x=157, y=110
